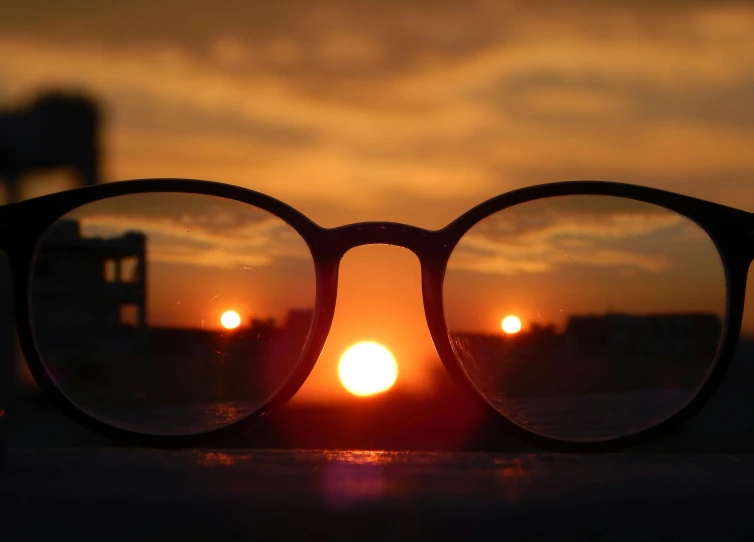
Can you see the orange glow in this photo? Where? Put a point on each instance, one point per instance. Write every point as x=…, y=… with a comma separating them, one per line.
x=211, y=459
x=367, y=368
x=230, y=319
x=439, y=129
x=511, y=324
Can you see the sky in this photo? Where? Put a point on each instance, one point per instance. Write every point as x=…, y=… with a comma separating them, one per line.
x=548, y=260
x=410, y=111
x=207, y=255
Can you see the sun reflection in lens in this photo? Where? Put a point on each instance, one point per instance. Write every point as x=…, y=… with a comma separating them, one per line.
x=367, y=368
x=511, y=324
x=230, y=319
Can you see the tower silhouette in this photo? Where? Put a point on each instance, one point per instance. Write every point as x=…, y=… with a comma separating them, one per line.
x=55, y=130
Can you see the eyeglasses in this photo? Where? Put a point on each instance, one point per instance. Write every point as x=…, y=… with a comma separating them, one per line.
x=590, y=315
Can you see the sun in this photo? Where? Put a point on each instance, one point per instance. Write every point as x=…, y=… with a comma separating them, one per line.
x=367, y=368
x=230, y=319
x=511, y=324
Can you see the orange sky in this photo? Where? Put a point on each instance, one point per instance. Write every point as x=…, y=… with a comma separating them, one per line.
x=406, y=111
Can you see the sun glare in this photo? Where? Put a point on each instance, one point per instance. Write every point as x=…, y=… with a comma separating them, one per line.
x=511, y=324
x=230, y=319
x=367, y=368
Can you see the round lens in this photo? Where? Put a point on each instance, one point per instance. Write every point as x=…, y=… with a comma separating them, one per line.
x=585, y=318
x=171, y=313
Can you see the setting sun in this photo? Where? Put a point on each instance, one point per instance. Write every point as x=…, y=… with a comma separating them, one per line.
x=511, y=324
x=230, y=319
x=367, y=368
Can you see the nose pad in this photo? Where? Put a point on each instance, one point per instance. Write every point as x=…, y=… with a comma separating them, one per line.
x=379, y=299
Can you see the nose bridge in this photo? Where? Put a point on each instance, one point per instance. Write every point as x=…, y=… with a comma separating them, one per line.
x=417, y=240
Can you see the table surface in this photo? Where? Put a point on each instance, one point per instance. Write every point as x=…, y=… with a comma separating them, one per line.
x=137, y=494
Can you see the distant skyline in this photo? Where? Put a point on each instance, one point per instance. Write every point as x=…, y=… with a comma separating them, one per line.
x=406, y=111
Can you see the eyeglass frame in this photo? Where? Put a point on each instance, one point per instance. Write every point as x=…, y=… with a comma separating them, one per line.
x=23, y=225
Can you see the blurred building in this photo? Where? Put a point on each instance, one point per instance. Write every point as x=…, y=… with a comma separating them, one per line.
x=89, y=294
x=206, y=365
x=681, y=337
x=56, y=130
x=595, y=353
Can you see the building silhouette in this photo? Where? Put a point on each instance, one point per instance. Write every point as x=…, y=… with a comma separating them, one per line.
x=56, y=130
x=680, y=338
x=89, y=311
x=88, y=297
x=593, y=354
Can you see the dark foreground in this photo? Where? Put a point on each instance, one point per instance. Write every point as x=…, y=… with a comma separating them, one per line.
x=136, y=495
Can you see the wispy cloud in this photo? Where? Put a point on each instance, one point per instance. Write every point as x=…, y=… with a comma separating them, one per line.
x=326, y=104
x=222, y=238
x=508, y=243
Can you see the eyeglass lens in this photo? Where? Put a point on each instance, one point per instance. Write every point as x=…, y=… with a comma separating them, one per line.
x=171, y=313
x=585, y=318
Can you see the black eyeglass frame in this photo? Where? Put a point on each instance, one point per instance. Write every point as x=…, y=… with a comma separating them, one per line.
x=23, y=225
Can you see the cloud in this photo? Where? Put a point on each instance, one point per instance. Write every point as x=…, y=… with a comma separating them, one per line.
x=509, y=243
x=213, y=238
x=575, y=102
x=329, y=106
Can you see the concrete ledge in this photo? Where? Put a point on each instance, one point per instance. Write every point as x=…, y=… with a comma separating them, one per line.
x=129, y=494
